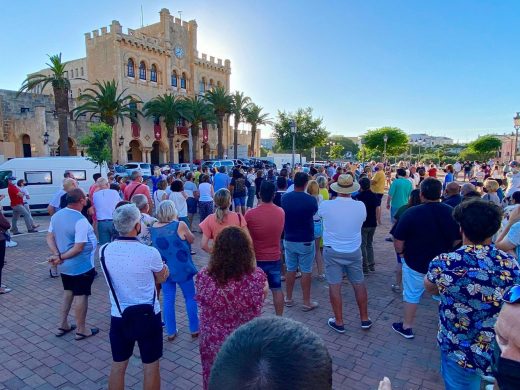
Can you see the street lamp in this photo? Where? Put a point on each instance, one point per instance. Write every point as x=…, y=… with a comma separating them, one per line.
x=385, y=139
x=121, y=141
x=292, y=124
x=516, y=125
x=45, y=138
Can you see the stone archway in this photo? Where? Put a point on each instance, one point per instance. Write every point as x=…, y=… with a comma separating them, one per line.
x=135, y=151
x=26, y=145
x=205, y=151
x=184, y=152
x=158, y=155
x=73, y=151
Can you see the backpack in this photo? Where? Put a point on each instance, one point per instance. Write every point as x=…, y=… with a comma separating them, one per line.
x=240, y=186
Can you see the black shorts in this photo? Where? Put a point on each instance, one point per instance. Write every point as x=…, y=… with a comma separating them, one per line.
x=79, y=284
x=379, y=198
x=122, y=346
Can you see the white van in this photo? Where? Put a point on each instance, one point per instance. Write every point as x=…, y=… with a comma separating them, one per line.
x=44, y=177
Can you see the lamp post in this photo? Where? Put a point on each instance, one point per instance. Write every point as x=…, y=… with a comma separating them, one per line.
x=292, y=124
x=190, y=146
x=516, y=125
x=385, y=139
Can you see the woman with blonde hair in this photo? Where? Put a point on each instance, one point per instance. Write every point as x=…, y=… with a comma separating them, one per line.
x=230, y=292
x=173, y=239
x=491, y=187
x=313, y=189
x=221, y=219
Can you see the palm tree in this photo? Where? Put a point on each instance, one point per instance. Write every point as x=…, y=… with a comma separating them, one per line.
x=107, y=104
x=255, y=117
x=169, y=108
x=222, y=103
x=60, y=86
x=196, y=111
x=240, y=105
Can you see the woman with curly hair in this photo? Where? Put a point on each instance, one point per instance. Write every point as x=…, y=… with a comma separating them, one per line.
x=221, y=219
x=230, y=292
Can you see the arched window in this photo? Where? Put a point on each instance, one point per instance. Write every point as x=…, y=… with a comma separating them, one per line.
x=130, y=68
x=153, y=73
x=174, y=79
x=183, y=80
x=142, y=71
x=211, y=84
x=202, y=85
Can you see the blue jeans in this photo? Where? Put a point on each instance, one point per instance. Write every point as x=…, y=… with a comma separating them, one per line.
x=251, y=193
x=105, y=231
x=457, y=378
x=188, y=290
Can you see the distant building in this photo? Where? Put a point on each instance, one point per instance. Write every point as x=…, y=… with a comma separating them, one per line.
x=507, y=151
x=268, y=143
x=429, y=140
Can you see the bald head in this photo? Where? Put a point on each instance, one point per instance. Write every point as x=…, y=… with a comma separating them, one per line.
x=507, y=329
x=452, y=189
x=467, y=188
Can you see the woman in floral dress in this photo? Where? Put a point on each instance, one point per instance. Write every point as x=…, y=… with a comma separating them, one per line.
x=230, y=292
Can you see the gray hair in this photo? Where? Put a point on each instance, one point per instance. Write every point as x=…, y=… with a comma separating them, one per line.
x=101, y=182
x=322, y=181
x=125, y=218
x=140, y=200
x=136, y=174
x=166, y=211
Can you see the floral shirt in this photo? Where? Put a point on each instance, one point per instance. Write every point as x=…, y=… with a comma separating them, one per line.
x=471, y=282
x=146, y=222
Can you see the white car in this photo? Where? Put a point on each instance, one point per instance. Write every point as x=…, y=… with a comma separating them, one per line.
x=144, y=168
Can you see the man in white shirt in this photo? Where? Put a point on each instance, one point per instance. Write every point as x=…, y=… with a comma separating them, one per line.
x=104, y=203
x=343, y=218
x=414, y=177
x=513, y=178
x=132, y=269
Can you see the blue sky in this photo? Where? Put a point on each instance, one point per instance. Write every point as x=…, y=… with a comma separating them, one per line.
x=446, y=67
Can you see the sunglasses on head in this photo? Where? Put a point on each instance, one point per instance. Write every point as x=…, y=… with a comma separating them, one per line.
x=512, y=295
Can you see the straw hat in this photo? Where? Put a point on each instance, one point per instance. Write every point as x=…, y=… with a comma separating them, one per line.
x=345, y=185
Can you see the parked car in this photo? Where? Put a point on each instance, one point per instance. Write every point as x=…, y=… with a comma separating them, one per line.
x=44, y=176
x=243, y=162
x=144, y=168
x=215, y=164
x=120, y=171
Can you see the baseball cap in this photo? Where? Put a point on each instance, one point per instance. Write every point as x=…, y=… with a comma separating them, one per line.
x=11, y=178
x=514, y=164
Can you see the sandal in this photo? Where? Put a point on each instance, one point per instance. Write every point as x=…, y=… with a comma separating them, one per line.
x=289, y=303
x=5, y=290
x=81, y=336
x=313, y=306
x=195, y=335
x=172, y=337
x=62, y=332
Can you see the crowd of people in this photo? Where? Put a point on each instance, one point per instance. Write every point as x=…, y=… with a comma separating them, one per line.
x=458, y=242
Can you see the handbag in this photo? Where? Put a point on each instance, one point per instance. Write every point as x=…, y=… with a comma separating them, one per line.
x=138, y=320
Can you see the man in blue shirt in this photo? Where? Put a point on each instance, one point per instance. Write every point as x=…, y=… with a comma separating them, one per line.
x=221, y=179
x=72, y=243
x=299, y=244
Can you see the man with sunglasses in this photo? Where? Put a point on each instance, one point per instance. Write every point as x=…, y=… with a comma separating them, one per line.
x=471, y=282
x=506, y=357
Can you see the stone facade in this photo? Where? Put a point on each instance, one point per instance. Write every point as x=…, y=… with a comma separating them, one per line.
x=147, y=62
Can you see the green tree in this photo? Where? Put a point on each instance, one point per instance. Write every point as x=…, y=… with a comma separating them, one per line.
x=310, y=131
x=60, y=87
x=255, y=118
x=396, y=144
x=222, y=103
x=238, y=109
x=336, y=152
x=97, y=144
x=347, y=143
x=263, y=151
x=485, y=146
x=196, y=111
x=167, y=107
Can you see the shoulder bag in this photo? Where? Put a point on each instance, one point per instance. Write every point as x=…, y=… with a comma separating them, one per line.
x=138, y=320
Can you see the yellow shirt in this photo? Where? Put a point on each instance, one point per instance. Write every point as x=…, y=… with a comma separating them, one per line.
x=197, y=175
x=378, y=183
x=324, y=193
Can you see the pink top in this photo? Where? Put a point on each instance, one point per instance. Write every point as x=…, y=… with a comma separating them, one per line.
x=142, y=189
x=223, y=309
x=211, y=228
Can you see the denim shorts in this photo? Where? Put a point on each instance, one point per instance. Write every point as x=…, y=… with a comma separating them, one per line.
x=413, y=284
x=299, y=255
x=273, y=270
x=192, y=205
x=337, y=263
x=241, y=201
x=456, y=377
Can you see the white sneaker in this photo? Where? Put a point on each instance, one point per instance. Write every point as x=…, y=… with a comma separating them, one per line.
x=11, y=244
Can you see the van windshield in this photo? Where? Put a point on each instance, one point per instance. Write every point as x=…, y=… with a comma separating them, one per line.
x=3, y=178
x=131, y=166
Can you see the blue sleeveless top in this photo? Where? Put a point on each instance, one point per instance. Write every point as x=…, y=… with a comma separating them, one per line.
x=175, y=252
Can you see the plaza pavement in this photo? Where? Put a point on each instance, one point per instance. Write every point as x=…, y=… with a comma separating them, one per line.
x=31, y=357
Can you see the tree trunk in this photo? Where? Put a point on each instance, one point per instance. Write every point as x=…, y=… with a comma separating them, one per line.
x=253, y=138
x=220, y=131
x=61, y=104
x=171, y=135
x=195, y=137
x=235, y=138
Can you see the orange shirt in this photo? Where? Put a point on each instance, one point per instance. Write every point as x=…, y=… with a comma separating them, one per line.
x=211, y=228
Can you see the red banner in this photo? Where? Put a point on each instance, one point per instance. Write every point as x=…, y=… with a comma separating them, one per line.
x=136, y=130
x=157, y=131
x=205, y=135
x=183, y=130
